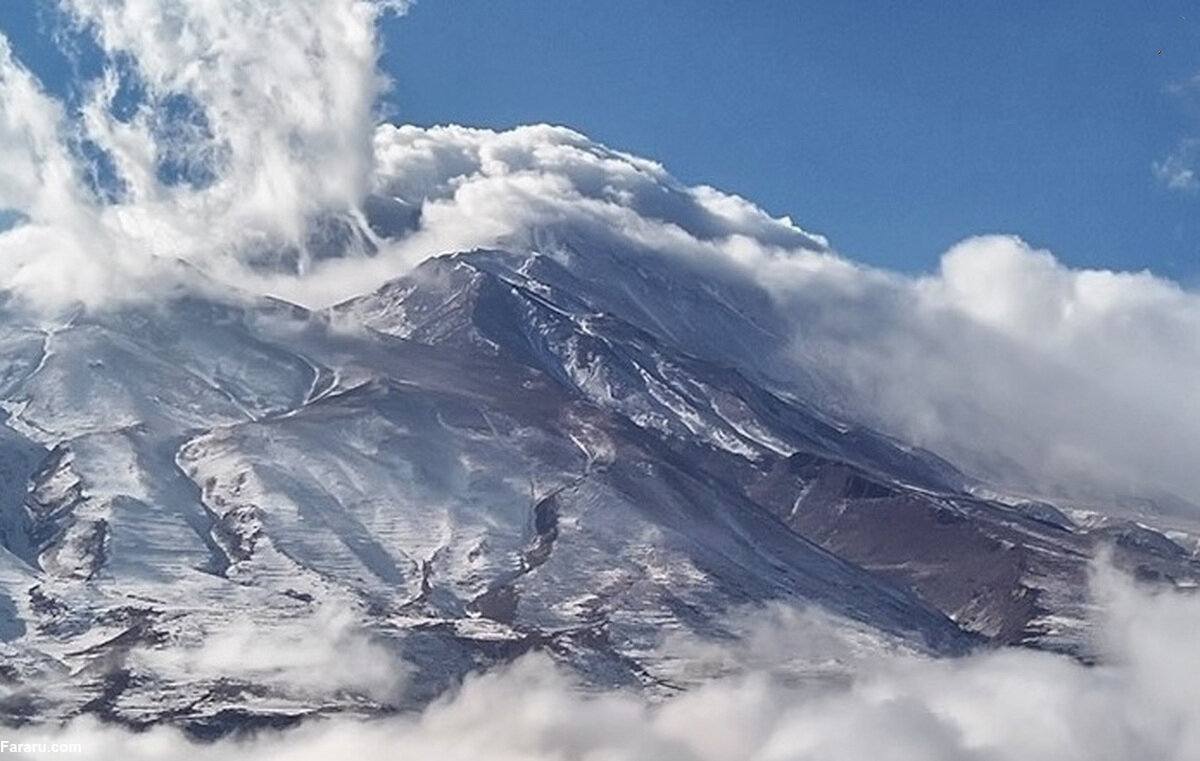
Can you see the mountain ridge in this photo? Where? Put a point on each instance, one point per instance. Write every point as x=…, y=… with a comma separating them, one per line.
x=467, y=464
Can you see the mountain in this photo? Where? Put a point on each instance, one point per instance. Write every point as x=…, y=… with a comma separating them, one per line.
x=586, y=453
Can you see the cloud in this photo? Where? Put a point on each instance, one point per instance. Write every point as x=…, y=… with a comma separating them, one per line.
x=37, y=170
x=261, y=111
x=312, y=656
x=1024, y=371
x=1178, y=170
x=536, y=187
x=245, y=139
x=229, y=135
x=1144, y=703
x=1020, y=368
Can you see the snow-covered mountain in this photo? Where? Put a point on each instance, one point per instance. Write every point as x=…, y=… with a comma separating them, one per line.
x=581, y=451
x=452, y=442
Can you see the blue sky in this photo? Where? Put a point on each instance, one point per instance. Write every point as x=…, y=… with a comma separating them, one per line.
x=894, y=128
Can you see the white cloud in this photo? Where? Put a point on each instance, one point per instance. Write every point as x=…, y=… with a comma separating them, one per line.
x=38, y=172
x=1007, y=360
x=1016, y=366
x=1004, y=360
x=1178, y=170
x=286, y=90
x=233, y=130
x=318, y=655
x=1000, y=706
x=533, y=186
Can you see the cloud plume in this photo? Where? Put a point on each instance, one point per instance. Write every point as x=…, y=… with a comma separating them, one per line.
x=226, y=135
x=1004, y=359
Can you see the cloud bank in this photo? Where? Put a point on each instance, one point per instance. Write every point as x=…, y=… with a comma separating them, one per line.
x=322, y=654
x=1022, y=369
x=1076, y=382
x=1001, y=706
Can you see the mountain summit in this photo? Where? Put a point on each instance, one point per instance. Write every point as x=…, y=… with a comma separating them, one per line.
x=578, y=451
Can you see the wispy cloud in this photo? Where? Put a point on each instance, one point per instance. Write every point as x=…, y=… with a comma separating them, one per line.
x=1178, y=171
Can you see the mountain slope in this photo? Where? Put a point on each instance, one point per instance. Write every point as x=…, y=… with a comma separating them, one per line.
x=1015, y=571
x=494, y=454
x=180, y=467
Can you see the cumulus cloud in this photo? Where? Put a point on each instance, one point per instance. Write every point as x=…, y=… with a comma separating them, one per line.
x=228, y=135
x=1022, y=369
x=535, y=187
x=1012, y=704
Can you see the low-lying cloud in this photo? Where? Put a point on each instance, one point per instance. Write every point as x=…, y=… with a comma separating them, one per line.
x=324, y=654
x=1075, y=382
x=1143, y=703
